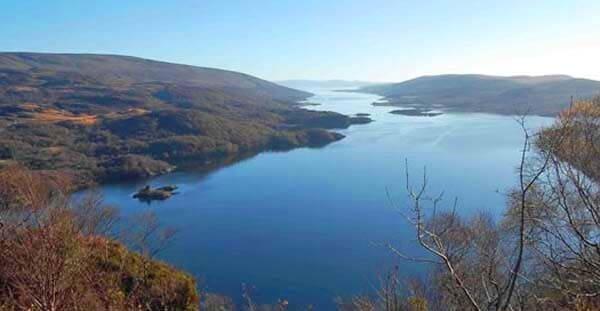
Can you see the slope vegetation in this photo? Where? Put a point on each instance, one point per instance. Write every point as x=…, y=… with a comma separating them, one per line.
x=106, y=117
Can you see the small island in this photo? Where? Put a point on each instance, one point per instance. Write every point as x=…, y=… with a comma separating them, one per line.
x=414, y=112
x=148, y=194
x=362, y=114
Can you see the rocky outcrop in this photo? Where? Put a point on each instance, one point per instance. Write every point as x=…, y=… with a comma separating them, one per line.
x=149, y=194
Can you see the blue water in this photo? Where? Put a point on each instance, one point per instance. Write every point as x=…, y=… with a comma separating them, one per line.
x=308, y=225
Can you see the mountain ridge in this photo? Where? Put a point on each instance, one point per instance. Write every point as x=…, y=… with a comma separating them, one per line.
x=127, y=69
x=543, y=95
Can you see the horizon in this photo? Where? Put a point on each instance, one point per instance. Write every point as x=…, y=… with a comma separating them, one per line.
x=324, y=41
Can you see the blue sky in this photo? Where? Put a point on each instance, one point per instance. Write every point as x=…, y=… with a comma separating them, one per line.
x=317, y=39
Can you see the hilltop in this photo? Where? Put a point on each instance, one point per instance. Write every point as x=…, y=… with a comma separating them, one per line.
x=539, y=95
x=127, y=71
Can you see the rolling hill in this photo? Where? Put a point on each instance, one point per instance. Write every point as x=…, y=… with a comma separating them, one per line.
x=105, y=117
x=119, y=71
x=539, y=95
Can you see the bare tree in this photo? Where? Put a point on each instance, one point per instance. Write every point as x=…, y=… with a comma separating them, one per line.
x=482, y=264
x=565, y=218
x=390, y=296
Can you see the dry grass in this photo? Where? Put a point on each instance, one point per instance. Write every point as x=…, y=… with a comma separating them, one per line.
x=131, y=112
x=53, y=115
x=23, y=88
x=36, y=113
x=29, y=106
x=53, y=150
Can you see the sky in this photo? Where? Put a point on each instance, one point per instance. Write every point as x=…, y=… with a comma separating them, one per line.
x=375, y=40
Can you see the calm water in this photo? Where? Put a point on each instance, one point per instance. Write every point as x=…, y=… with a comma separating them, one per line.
x=307, y=225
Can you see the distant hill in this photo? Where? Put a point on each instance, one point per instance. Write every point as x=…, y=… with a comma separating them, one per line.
x=108, y=117
x=313, y=84
x=540, y=95
x=118, y=70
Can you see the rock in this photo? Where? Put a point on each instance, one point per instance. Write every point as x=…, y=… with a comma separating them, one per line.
x=169, y=188
x=148, y=194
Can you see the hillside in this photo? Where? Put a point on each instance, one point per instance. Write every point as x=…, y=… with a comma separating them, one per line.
x=127, y=71
x=124, y=117
x=540, y=95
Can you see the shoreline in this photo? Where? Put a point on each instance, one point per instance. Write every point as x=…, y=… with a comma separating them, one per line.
x=389, y=102
x=208, y=166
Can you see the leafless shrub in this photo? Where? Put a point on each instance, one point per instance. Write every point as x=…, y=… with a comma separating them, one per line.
x=53, y=255
x=214, y=302
x=93, y=217
x=146, y=235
